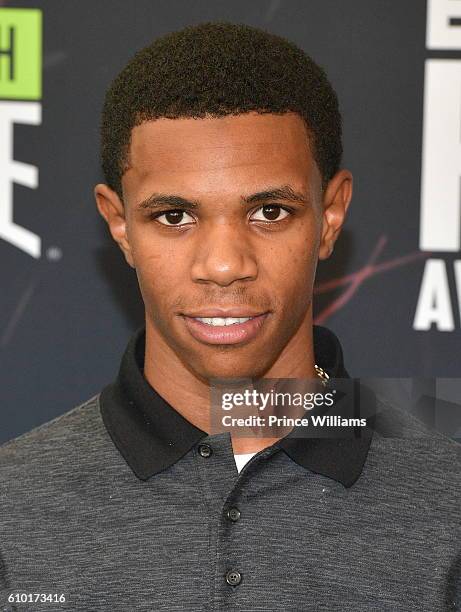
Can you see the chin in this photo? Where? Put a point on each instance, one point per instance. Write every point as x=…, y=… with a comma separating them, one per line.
x=232, y=369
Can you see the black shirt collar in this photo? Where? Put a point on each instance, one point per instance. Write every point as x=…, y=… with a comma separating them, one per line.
x=151, y=435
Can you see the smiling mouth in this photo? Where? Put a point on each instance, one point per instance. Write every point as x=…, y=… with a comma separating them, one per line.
x=222, y=321
x=225, y=330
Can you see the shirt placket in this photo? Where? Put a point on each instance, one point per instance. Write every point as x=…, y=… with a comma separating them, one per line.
x=222, y=487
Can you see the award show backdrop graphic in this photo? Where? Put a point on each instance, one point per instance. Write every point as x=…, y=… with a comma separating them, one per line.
x=391, y=291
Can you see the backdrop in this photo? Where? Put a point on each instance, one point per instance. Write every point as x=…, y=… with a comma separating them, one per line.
x=392, y=289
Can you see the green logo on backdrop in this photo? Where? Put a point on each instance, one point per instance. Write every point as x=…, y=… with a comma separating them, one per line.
x=20, y=54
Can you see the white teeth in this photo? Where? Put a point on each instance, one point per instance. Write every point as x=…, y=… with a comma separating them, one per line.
x=218, y=321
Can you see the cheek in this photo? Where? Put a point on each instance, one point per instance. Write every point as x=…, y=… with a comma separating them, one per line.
x=292, y=264
x=158, y=269
x=291, y=280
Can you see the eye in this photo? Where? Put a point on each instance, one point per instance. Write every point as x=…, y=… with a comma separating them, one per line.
x=173, y=217
x=270, y=212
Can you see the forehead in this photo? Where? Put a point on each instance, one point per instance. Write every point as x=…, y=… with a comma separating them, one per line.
x=220, y=151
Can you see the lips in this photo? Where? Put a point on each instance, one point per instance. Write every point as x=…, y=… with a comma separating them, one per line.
x=236, y=311
x=222, y=321
x=210, y=330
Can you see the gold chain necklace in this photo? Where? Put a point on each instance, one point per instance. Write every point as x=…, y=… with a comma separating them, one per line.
x=321, y=374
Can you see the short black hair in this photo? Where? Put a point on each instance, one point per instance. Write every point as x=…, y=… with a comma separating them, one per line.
x=217, y=69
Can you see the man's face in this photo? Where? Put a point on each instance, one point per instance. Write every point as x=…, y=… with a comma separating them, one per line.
x=209, y=241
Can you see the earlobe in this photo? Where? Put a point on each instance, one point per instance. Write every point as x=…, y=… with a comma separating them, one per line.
x=336, y=202
x=112, y=210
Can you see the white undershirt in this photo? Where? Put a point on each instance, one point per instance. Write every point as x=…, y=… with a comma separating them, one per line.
x=242, y=459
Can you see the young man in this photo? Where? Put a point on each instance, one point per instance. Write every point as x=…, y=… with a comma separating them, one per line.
x=221, y=148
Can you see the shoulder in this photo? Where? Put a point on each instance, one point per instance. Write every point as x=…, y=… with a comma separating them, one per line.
x=414, y=457
x=395, y=422
x=56, y=442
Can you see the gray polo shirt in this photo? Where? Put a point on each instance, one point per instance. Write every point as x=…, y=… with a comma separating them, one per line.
x=122, y=504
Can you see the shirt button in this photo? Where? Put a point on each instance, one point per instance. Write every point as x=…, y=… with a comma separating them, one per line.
x=233, y=514
x=233, y=577
x=205, y=450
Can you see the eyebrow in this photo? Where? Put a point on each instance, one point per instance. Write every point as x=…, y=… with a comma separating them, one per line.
x=160, y=200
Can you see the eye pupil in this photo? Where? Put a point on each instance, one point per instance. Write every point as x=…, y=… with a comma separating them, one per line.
x=174, y=216
x=271, y=212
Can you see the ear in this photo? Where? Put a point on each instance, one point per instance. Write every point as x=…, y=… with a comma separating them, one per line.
x=112, y=209
x=336, y=201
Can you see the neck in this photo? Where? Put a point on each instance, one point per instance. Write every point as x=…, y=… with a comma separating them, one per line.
x=189, y=394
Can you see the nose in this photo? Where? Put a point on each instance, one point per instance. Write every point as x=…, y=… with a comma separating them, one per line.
x=223, y=255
